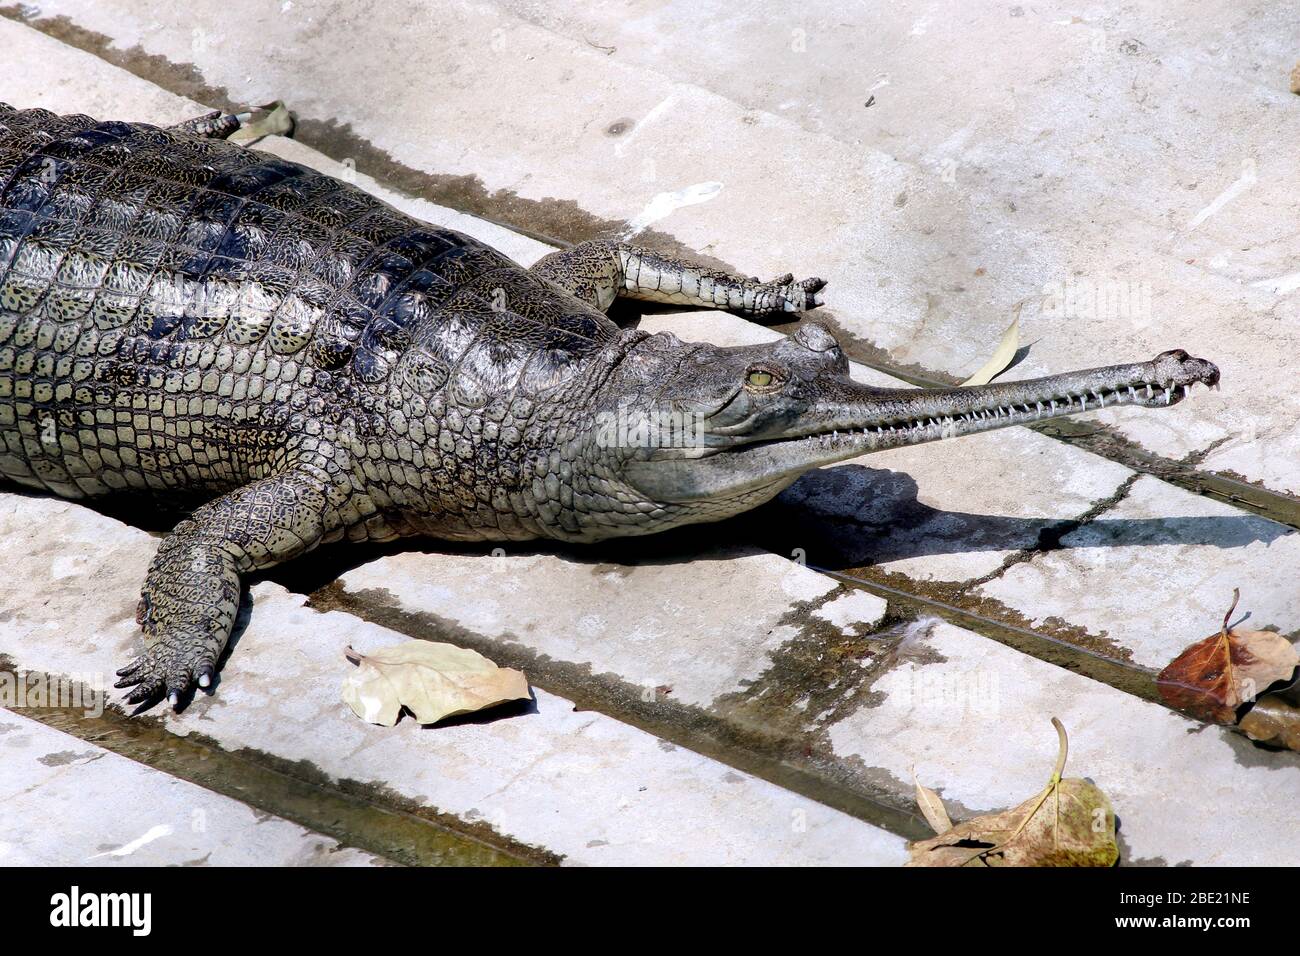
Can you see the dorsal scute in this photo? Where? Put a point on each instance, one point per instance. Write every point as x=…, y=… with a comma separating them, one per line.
x=177, y=239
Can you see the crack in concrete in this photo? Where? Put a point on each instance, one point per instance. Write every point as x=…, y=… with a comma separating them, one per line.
x=1049, y=538
x=779, y=751
x=366, y=816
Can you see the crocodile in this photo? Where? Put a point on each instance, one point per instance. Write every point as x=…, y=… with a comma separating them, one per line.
x=194, y=320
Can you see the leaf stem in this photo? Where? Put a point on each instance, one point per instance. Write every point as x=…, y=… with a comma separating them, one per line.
x=1050, y=789
x=1061, y=753
x=1236, y=596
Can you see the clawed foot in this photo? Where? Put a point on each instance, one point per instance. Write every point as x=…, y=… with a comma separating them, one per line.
x=169, y=668
x=792, y=296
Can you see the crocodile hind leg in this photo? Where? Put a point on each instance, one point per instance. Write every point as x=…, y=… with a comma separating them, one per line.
x=273, y=119
x=601, y=270
x=191, y=594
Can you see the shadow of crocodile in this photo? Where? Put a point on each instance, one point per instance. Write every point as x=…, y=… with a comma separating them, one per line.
x=839, y=518
x=849, y=516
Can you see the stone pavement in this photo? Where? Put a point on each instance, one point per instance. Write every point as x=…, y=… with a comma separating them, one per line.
x=761, y=691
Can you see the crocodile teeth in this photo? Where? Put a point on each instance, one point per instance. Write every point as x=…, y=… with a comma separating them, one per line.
x=1169, y=394
x=1132, y=394
x=1083, y=402
x=1149, y=393
x=1101, y=398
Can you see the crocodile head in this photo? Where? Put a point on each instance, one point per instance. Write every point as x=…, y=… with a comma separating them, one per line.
x=704, y=432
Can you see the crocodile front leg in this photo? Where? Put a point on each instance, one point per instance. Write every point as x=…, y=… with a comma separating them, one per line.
x=191, y=594
x=601, y=270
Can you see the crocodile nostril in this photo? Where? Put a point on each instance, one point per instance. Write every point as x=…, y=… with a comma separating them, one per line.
x=815, y=336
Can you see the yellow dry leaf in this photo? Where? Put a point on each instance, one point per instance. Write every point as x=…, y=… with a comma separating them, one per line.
x=1006, y=351
x=1068, y=823
x=932, y=808
x=273, y=119
x=1071, y=823
x=431, y=680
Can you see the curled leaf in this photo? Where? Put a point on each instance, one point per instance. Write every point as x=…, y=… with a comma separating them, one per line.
x=431, y=680
x=1273, y=721
x=1214, y=677
x=1069, y=823
x=1006, y=351
x=932, y=808
x=273, y=119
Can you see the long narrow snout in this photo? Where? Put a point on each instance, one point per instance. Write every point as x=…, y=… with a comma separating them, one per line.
x=869, y=419
x=845, y=419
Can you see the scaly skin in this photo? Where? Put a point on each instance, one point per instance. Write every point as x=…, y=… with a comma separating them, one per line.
x=186, y=318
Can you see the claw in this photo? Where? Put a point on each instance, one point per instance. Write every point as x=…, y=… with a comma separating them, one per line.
x=168, y=669
x=142, y=693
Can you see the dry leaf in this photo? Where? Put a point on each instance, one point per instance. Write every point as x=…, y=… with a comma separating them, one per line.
x=1006, y=351
x=1273, y=721
x=1214, y=677
x=431, y=680
x=1068, y=823
x=932, y=807
x=273, y=119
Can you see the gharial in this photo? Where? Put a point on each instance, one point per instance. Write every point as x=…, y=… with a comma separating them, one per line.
x=181, y=315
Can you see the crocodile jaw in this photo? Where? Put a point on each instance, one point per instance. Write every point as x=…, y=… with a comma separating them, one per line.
x=862, y=419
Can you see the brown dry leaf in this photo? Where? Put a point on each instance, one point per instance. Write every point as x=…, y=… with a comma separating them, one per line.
x=1214, y=677
x=431, y=680
x=1069, y=823
x=932, y=808
x=1273, y=721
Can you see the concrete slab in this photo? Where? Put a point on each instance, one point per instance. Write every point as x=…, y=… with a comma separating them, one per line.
x=948, y=512
x=658, y=624
x=742, y=641
x=575, y=783
x=70, y=803
x=1143, y=576
x=1122, y=172
x=973, y=718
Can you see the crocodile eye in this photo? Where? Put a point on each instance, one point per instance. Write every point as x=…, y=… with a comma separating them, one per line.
x=759, y=379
